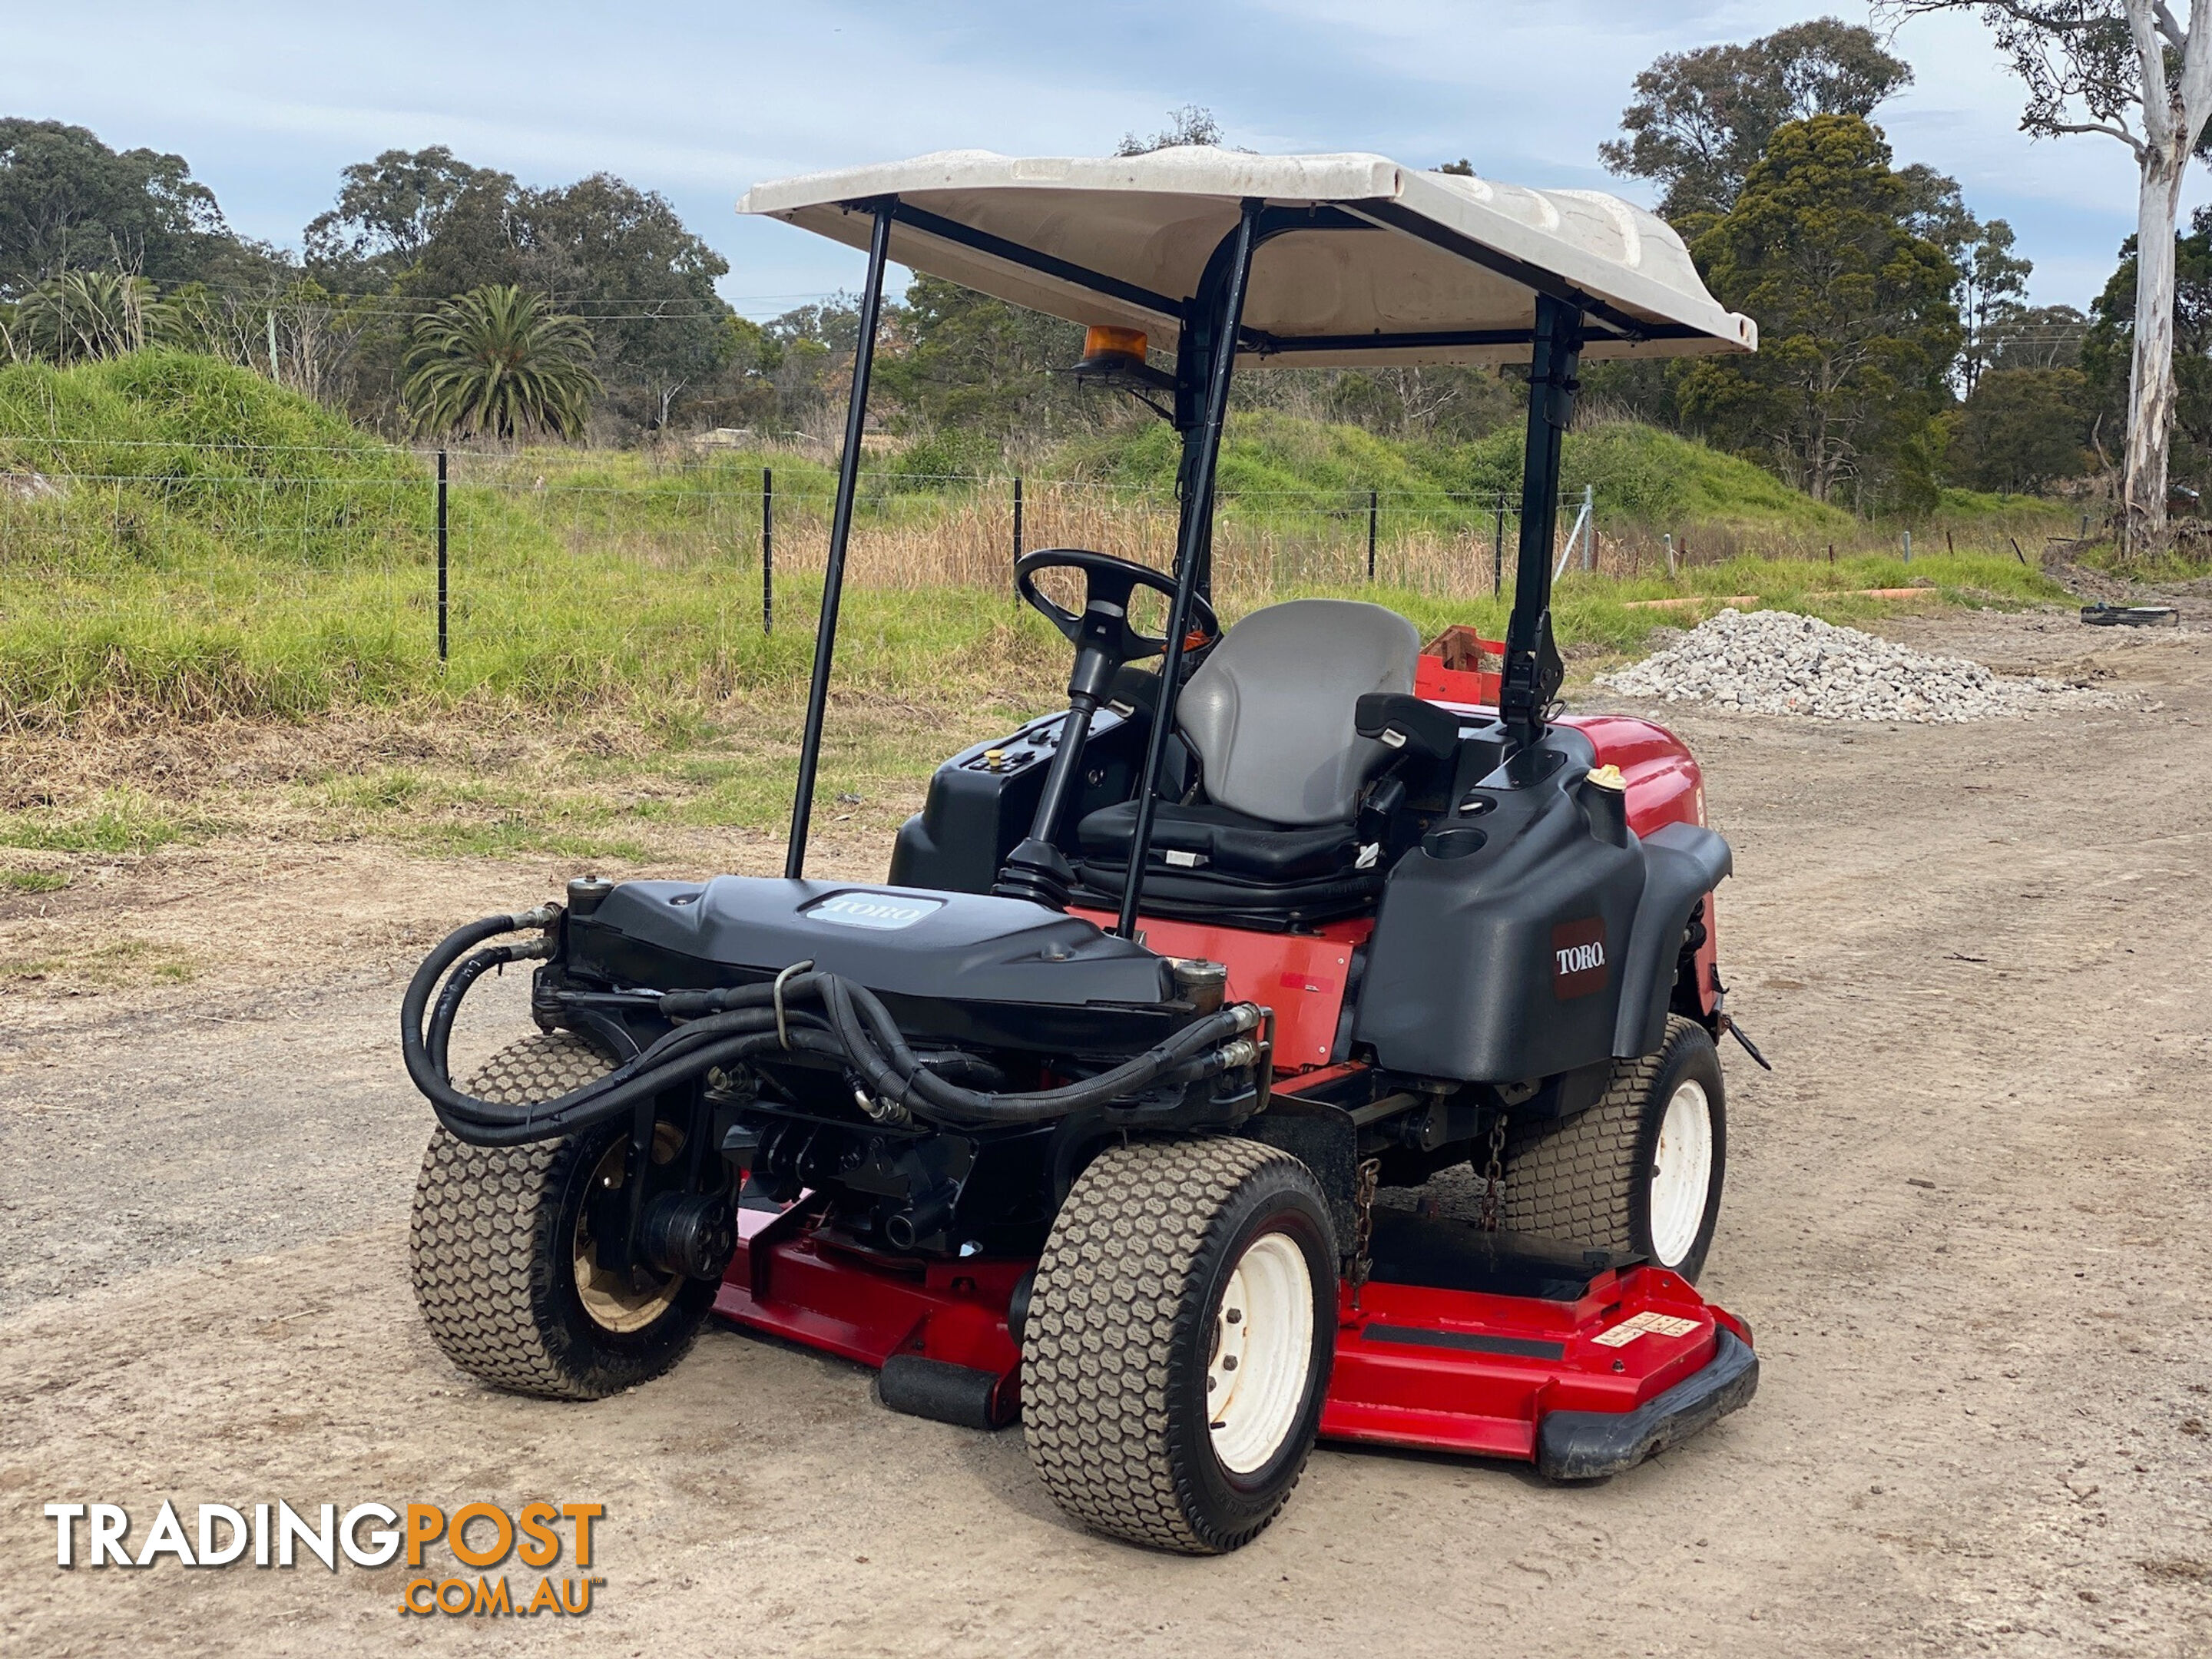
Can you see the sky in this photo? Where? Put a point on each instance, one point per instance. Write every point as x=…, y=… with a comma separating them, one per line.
x=268, y=102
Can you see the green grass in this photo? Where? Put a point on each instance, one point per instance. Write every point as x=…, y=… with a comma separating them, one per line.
x=120, y=821
x=227, y=547
x=33, y=881
x=218, y=545
x=2180, y=562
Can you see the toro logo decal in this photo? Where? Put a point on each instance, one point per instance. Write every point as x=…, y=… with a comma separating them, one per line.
x=1578, y=958
x=878, y=912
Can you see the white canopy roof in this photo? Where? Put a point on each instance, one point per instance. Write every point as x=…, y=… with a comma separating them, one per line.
x=1405, y=255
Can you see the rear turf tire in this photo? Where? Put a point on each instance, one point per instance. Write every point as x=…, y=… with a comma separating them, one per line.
x=1179, y=1340
x=1625, y=1175
x=500, y=1255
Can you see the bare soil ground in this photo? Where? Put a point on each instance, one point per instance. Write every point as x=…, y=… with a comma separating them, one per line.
x=1966, y=1216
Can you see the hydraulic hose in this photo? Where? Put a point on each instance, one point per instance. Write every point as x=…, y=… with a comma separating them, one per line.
x=810, y=1012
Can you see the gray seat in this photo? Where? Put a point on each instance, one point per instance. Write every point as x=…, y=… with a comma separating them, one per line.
x=1269, y=717
x=1270, y=714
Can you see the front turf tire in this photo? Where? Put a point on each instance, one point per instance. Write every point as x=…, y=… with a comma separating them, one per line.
x=502, y=1271
x=1639, y=1171
x=1172, y=1265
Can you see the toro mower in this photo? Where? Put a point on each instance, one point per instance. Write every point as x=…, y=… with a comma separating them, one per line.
x=1081, y=1116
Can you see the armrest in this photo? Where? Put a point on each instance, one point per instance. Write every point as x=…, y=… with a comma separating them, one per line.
x=1402, y=722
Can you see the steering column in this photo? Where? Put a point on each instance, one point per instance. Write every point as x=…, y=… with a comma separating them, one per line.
x=1103, y=638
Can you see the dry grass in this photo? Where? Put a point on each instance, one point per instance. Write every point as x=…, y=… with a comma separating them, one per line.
x=497, y=781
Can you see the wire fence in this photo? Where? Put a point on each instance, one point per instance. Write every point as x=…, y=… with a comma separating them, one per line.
x=436, y=545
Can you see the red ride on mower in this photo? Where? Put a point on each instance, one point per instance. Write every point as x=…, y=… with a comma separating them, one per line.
x=1081, y=1116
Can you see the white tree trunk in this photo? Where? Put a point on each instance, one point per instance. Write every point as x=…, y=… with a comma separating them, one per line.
x=2150, y=378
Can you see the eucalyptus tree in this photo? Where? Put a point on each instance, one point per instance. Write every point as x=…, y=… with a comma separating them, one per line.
x=2138, y=72
x=1702, y=118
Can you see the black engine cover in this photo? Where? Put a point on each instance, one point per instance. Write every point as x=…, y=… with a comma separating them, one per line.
x=957, y=966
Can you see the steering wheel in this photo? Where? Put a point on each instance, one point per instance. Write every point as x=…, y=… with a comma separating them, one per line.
x=1108, y=584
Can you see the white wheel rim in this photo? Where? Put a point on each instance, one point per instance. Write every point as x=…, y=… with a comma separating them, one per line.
x=1263, y=1337
x=1681, y=1172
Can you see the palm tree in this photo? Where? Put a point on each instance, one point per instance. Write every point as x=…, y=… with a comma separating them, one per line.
x=496, y=361
x=82, y=314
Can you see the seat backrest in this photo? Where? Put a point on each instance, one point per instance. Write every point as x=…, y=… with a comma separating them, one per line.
x=1270, y=713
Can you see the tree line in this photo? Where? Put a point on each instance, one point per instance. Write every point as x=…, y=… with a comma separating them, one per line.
x=1898, y=351
x=424, y=262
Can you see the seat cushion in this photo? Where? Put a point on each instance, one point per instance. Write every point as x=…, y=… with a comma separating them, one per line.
x=1217, y=839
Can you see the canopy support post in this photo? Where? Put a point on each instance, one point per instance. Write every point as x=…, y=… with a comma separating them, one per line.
x=1532, y=669
x=841, y=531
x=1201, y=447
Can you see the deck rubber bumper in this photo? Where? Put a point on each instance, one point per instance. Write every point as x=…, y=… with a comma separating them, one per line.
x=1591, y=1445
x=962, y=1395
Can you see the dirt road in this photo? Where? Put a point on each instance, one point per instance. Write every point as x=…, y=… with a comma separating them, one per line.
x=1966, y=1216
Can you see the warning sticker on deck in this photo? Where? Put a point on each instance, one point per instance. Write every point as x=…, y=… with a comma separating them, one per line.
x=1655, y=1324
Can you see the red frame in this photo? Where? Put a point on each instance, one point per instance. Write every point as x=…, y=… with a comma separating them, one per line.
x=793, y=1281
x=1301, y=976
x=790, y=1279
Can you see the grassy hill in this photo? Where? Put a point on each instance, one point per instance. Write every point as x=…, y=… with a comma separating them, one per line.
x=178, y=535
x=1642, y=475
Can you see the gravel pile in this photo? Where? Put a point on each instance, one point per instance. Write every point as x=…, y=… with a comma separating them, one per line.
x=1774, y=662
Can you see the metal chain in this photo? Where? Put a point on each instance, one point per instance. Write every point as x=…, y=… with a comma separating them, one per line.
x=1493, y=1174
x=1363, y=1202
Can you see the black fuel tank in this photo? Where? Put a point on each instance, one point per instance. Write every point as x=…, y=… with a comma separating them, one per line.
x=900, y=942
x=1497, y=954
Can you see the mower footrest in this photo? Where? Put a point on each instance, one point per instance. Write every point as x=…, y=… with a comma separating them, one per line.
x=1590, y=1445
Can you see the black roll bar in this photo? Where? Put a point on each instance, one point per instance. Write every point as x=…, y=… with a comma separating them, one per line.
x=1192, y=555
x=1532, y=672
x=841, y=531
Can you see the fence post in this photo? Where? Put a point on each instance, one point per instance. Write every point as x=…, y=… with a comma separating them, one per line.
x=1371, y=537
x=768, y=551
x=1908, y=547
x=1497, y=554
x=442, y=554
x=1017, y=516
x=1668, y=537
x=1590, y=527
x=1582, y=523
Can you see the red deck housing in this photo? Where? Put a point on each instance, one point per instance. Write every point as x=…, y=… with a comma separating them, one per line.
x=1467, y=1371
x=1446, y=1370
